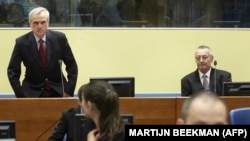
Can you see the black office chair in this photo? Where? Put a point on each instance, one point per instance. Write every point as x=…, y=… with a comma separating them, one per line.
x=15, y=14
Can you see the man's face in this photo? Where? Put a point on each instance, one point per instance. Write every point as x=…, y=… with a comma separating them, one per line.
x=39, y=24
x=203, y=59
x=206, y=112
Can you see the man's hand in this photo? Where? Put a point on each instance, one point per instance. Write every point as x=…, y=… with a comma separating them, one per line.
x=66, y=95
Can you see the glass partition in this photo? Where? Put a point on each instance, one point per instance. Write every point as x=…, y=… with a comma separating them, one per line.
x=131, y=13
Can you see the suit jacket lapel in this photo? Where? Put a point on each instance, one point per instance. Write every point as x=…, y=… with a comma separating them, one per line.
x=32, y=47
x=211, y=81
x=197, y=79
x=50, y=47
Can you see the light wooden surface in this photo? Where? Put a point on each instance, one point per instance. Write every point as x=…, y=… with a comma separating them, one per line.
x=149, y=110
x=33, y=116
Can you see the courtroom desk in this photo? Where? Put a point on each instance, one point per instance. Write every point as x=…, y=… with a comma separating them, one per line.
x=34, y=115
x=149, y=110
x=231, y=102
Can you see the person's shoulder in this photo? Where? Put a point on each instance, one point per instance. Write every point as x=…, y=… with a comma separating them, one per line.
x=189, y=75
x=223, y=71
x=55, y=33
x=71, y=111
x=118, y=137
x=25, y=36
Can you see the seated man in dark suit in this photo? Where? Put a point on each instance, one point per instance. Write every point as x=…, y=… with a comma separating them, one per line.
x=64, y=130
x=205, y=77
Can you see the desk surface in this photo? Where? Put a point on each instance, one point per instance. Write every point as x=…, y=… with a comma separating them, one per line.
x=34, y=116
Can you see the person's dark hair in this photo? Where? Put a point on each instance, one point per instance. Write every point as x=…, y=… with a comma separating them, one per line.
x=107, y=101
x=200, y=94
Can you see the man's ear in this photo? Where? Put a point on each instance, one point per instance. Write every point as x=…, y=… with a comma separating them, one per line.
x=179, y=121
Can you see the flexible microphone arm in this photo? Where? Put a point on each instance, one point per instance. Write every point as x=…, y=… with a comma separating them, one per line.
x=46, y=130
x=60, y=63
x=215, y=63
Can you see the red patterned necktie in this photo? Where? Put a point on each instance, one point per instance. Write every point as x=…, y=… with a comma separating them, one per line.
x=42, y=52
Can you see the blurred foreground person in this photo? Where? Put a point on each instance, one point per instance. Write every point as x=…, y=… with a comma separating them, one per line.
x=204, y=108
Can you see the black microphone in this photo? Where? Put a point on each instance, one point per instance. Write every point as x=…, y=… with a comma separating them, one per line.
x=60, y=63
x=46, y=130
x=215, y=63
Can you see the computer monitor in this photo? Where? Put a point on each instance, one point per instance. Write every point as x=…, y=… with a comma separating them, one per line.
x=124, y=86
x=128, y=118
x=236, y=89
x=78, y=126
x=7, y=129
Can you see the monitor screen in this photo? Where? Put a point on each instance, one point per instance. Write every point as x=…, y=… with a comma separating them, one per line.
x=124, y=86
x=128, y=118
x=7, y=129
x=78, y=127
x=236, y=89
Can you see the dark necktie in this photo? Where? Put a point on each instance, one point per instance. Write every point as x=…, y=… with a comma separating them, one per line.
x=42, y=52
x=205, y=82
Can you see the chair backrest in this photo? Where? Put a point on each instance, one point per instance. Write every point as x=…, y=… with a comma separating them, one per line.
x=240, y=116
x=15, y=14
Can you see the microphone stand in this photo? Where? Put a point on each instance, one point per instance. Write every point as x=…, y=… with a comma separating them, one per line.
x=60, y=63
x=47, y=129
x=215, y=63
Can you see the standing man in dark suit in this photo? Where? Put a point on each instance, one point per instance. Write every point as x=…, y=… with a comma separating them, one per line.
x=43, y=75
x=194, y=82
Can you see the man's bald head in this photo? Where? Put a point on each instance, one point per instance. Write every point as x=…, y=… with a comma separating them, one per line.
x=204, y=108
